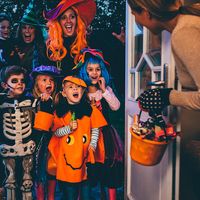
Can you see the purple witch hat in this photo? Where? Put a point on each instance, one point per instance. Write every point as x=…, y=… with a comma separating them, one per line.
x=46, y=70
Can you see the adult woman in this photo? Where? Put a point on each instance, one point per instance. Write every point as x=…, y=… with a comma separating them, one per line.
x=183, y=22
x=30, y=43
x=67, y=31
x=27, y=43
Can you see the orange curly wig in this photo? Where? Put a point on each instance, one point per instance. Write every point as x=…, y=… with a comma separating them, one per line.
x=55, y=48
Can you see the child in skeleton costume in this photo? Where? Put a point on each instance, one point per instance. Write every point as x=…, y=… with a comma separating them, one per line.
x=44, y=87
x=17, y=144
x=76, y=139
x=93, y=71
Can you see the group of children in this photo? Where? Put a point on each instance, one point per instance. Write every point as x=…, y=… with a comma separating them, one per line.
x=59, y=133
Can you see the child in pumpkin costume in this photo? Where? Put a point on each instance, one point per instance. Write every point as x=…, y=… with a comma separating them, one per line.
x=77, y=139
x=93, y=71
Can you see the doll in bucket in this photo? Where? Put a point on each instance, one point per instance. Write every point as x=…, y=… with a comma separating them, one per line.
x=154, y=105
x=150, y=138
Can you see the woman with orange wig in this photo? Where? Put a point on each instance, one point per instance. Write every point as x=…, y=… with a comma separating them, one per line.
x=67, y=25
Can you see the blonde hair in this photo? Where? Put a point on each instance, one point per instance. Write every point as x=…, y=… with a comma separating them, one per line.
x=55, y=48
x=36, y=92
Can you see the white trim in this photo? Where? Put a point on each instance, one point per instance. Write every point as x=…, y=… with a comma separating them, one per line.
x=128, y=64
x=163, y=183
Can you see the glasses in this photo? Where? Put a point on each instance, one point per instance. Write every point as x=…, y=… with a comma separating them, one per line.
x=15, y=80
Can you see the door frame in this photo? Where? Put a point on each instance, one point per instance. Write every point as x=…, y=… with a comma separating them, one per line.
x=172, y=173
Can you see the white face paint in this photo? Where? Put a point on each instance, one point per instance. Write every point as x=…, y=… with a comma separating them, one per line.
x=15, y=84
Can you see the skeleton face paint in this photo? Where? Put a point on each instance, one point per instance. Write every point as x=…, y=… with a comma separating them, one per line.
x=16, y=85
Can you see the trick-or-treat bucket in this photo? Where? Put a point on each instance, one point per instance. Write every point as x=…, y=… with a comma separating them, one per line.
x=146, y=152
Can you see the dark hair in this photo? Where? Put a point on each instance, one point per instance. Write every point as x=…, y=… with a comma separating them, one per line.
x=4, y=16
x=193, y=9
x=164, y=9
x=7, y=71
x=38, y=34
x=134, y=6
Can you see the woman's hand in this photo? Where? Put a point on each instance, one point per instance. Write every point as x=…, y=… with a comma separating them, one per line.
x=154, y=100
x=102, y=84
x=121, y=36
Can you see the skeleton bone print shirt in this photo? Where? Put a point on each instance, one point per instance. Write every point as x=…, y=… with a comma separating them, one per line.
x=16, y=117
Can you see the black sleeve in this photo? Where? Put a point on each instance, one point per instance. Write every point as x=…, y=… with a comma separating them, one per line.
x=46, y=106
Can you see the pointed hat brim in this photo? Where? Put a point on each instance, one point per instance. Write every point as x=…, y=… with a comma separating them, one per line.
x=86, y=10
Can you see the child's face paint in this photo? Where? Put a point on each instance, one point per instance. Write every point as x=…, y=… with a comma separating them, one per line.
x=68, y=22
x=72, y=92
x=28, y=33
x=45, y=84
x=5, y=29
x=94, y=72
x=16, y=85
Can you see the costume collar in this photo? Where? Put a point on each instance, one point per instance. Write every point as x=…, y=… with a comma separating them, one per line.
x=81, y=109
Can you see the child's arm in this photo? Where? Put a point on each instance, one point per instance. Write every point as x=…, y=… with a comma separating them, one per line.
x=109, y=95
x=111, y=99
x=44, y=116
x=94, y=139
x=66, y=129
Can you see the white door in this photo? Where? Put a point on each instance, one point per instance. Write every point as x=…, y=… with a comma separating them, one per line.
x=148, y=58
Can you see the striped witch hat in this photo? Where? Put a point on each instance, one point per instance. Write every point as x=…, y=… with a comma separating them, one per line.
x=29, y=16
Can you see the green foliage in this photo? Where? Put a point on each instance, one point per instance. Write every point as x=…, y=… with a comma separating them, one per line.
x=110, y=15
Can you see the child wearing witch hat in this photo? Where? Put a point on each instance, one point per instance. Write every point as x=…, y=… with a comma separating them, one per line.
x=44, y=87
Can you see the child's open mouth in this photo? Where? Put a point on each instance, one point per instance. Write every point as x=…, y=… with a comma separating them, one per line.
x=48, y=89
x=75, y=95
x=94, y=77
